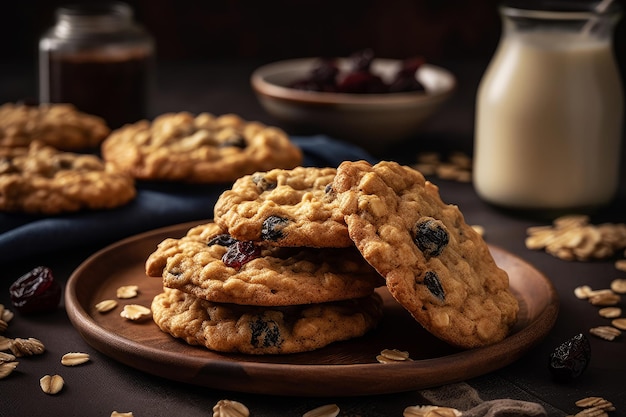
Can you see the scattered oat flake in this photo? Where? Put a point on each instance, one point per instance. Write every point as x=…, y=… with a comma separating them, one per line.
x=620, y=323
x=582, y=292
x=395, y=354
x=574, y=238
x=621, y=264
x=26, y=347
x=230, y=408
x=430, y=411
x=605, y=332
x=105, y=306
x=51, y=384
x=619, y=285
x=610, y=312
x=135, y=312
x=74, y=358
x=479, y=229
x=328, y=410
x=118, y=414
x=5, y=343
x=605, y=299
x=127, y=291
x=6, y=368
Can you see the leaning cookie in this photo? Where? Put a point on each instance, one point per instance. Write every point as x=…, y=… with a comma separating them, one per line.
x=198, y=149
x=285, y=208
x=211, y=265
x=43, y=180
x=263, y=330
x=436, y=266
x=59, y=125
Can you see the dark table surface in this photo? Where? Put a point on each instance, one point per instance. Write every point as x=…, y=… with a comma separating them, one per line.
x=104, y=385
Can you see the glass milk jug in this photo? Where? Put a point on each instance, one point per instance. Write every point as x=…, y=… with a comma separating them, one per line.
x=549, y=110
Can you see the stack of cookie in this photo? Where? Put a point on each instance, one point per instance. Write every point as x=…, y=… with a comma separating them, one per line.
x=267, y=285
x=285, y=245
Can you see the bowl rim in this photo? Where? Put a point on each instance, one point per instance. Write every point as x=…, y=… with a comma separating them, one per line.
x=262, y=86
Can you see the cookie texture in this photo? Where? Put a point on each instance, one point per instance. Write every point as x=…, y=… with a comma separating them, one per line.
x=43, y=180
x=275, y=276
x=284, y=207
x=198, y=149
x=59, y=125
x=435, y=265
x=263, y=330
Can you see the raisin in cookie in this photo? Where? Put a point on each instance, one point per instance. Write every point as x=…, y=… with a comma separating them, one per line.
x=284, y=208
x=263, y=330
x=43, y=180
x=213, y=266
x=436, y=266
x=59, y=125
x=198, y=149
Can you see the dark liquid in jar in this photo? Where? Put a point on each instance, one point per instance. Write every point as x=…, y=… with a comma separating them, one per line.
x=113, y=87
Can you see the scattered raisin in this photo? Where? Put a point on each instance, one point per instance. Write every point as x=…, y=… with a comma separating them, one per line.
x=431, y=236
x=265, y=333
x=240, y=253
x=36, y=291
x=570, y=359
x=223, y=240
x=273, y=228
x=431, y=280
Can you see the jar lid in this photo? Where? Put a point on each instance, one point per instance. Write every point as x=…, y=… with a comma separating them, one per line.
x=567, y=6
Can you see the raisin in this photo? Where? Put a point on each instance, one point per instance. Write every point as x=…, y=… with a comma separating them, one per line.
x=265, y=333
x=361, y=60
x=321, y=78
x=273, y=228
x=7, y=166
x=431, y=280
x=240, y=253
x=431, y=236
x=263, y=183
x=36, y=291
x=570, y=359
x=361, y=82
x=358, y=78
x=236, y=141
x=405, y=79
x=223, y=240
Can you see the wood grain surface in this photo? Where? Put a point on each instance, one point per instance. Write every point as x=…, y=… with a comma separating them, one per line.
x=342, y=369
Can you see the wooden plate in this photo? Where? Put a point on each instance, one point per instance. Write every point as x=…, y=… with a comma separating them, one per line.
x=342, y=369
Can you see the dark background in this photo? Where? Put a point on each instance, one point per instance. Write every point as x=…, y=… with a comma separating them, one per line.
x=274, y=29
x=185, y=30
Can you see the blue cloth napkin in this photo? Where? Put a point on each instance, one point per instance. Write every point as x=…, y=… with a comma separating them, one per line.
x=156, y=205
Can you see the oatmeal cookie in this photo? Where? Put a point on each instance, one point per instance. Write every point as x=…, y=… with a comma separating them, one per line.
x=43, y=180
x=284, y=208
x=198, y=149
x=436, y=266
x=59, y=125
x=263, y=330
x=271, y=276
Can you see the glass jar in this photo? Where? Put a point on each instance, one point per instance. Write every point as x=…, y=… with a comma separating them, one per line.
x=98, y=59
x=549, y=110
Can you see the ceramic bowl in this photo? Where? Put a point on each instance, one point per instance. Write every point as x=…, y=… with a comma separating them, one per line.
x=372, y=120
